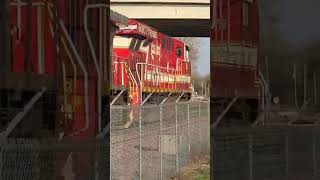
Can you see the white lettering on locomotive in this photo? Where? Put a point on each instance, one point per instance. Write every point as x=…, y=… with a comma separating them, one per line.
x=155, y=50
x=147, y=31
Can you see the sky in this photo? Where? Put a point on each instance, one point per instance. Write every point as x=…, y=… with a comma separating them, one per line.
x=204, y=57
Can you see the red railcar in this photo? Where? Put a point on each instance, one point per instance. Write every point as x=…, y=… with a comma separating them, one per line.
x=55, y=70
x=234, y=58
x=29, y=94
x=63, y=47
x=146, y=61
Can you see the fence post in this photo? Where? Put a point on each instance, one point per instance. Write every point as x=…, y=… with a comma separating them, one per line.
x=110, y=143
x=199, y=130
x=188, y=129
x=160, y=139
x=314, y=148
x=140, y=144
x=177, y=139
x=250, y=157
x=121, y=114
x=199, y=110
x=209, y=129
x=287, y=152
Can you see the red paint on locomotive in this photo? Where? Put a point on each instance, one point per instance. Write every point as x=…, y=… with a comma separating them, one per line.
x=59, y=49
x=234, y=46
x=57, y=43
x=234, y=55
x=42, y=42
x=155, y=62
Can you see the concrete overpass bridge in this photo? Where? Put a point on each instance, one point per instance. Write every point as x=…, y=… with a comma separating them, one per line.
x=179, y=18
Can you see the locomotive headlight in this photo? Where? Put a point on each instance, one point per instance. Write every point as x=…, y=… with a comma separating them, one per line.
x=130, y=27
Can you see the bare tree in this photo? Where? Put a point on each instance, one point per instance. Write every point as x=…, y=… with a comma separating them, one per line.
x=199, y=82
x=193, y=44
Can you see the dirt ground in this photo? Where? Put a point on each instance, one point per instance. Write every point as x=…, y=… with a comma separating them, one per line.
x=198, y=169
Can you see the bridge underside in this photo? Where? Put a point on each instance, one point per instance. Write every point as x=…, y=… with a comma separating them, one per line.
x=180, y=27
x=179, y=18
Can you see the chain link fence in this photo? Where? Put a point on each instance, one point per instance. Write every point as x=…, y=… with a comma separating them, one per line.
x=147, y=142
x=154, y=142
x=266, y=153
x=22, y=159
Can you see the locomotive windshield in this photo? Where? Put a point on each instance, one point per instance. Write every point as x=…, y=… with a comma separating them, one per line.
x=187, y=53
x=179, y=51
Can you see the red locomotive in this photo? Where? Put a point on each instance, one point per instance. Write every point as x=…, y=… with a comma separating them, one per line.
x=147, y=63
x=55, y=70
x=235, y=74
x=56, y=66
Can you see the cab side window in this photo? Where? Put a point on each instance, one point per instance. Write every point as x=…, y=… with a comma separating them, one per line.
x=179, y=52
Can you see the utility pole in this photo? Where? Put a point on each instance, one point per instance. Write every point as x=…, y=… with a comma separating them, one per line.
x=267, y=68
x=202, y=88
x=305, y=83
x=194, y=88
x=205, y=88
x=315, y=88
x=295, y=85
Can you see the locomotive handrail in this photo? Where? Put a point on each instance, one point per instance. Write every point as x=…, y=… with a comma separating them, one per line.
x=155, y=66
x=83, y=68
x=128, y=70
x=19, y=3
x=93, y=53
x=122, y=60
x=176, y=72
x=266, y=98
x=115, y=60
x=132, y=77
x=173, y=70
x=119, y=57
x=68, y=54
x=74, y=70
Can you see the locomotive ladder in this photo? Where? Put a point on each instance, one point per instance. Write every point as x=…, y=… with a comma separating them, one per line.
x=133, y=84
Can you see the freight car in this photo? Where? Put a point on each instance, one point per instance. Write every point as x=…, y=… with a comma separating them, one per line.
x=238, y=89
x=149, y=66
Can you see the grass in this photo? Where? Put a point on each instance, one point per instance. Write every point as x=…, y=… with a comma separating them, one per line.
x=195, y=171
x=204, y=173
